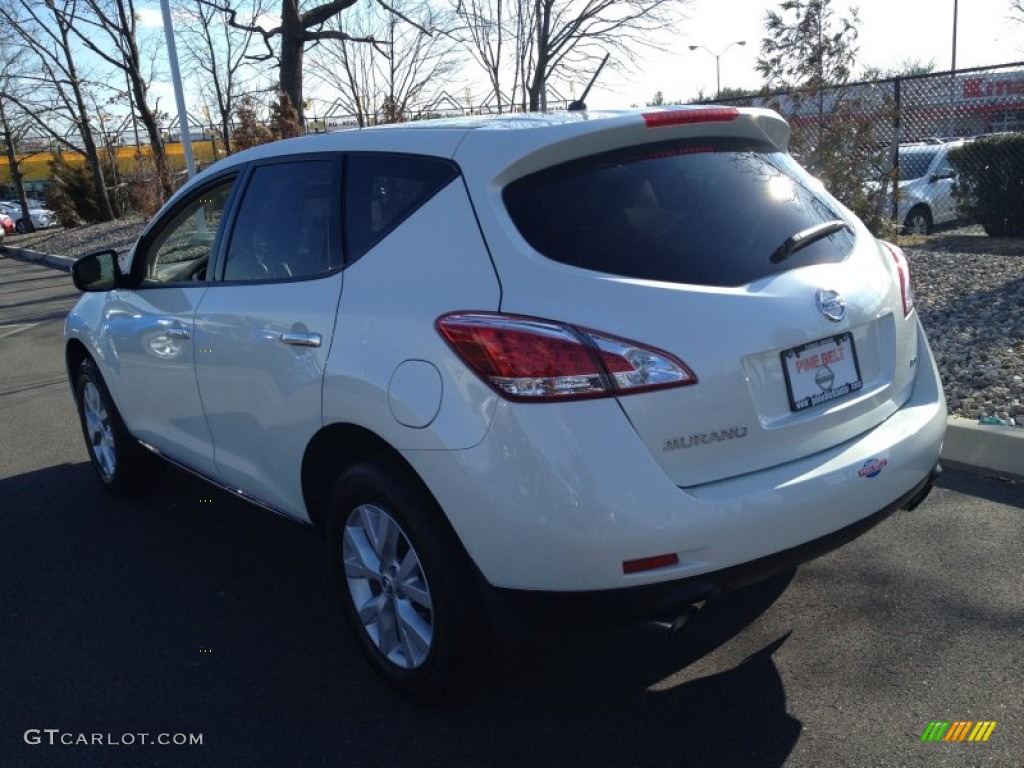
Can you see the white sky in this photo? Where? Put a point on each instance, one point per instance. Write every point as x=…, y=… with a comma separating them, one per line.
x=890, y=32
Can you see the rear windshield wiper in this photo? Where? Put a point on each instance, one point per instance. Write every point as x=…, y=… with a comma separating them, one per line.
x=805, y=237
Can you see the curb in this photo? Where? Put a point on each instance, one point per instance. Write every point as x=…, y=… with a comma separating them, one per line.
x=984, y=448
x=62, y=263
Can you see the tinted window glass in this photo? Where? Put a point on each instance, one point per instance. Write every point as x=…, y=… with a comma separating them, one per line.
x=914, y=165
x=284, y=222
x=181, y=250
x=699, y=212
x=381, y=191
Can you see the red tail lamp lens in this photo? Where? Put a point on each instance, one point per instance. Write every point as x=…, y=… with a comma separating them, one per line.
x=530, y=359
x=649, y=563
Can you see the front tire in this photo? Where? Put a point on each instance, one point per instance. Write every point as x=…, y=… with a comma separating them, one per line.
x=406, y=584
x=123, y=466
x=918, y=222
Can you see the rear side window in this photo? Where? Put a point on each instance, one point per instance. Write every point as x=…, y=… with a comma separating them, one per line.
x=382, y=190
x=702, y=212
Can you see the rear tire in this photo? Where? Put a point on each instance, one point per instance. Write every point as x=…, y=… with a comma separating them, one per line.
x=406, y=584
x=19, y=226
x=123, y=466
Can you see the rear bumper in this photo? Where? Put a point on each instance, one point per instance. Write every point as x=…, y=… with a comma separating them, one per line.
x=558, y=499
x=667, y=600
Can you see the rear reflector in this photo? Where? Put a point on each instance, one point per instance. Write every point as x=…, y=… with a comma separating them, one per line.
x=687, y=116
x=532, y=360
x=649, y=563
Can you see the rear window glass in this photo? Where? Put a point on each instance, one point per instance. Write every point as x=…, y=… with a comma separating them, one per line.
x=704, y=212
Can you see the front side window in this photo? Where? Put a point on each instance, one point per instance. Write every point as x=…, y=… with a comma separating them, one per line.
x=701, y=212
x=284, y=223
x=181, y=250
x=914, y=165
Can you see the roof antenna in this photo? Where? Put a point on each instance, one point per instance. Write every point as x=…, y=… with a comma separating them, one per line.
x=579, y=105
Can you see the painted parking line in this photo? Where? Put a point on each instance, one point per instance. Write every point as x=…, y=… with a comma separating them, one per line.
x=10, y=330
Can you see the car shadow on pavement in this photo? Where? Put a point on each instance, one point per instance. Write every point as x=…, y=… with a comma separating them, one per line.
x=188, y=611
x=975, y=483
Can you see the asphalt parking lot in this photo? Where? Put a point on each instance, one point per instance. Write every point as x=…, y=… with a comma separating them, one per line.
x=189, y=612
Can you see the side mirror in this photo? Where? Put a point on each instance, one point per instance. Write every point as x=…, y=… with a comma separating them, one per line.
x=98, y=271
x=942, y=175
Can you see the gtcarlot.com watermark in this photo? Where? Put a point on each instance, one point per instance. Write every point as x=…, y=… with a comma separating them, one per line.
x=56, y=737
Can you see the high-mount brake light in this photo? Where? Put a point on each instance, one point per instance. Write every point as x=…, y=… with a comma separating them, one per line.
x=903, y=270
x=688, y=116
x=528, y=359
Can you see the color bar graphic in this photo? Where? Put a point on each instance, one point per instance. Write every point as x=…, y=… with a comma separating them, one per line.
x=958, y=730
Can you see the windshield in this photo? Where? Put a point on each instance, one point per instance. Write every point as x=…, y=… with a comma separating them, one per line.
x=702, y=212
x=914, y=164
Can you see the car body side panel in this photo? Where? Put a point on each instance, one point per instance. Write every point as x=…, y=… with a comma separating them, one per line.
x=150, y=371
x=262, y=396
x=436, y=262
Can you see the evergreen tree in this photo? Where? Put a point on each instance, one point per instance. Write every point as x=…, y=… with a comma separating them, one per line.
x=809, y=53
x=249, y=131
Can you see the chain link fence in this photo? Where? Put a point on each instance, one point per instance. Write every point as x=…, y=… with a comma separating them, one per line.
x=912, y=154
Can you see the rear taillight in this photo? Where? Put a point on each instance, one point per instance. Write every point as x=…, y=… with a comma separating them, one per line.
x=903, y=271
x=530, y=360
x=692, y=115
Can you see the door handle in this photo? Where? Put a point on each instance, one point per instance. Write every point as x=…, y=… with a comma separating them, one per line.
x=177, y=332
x=301, y=339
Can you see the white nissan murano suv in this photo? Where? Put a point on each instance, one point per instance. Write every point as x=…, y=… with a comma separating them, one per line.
x=584, y=363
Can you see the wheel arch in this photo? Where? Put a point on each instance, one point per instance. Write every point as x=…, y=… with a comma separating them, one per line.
x=921, y=207
x=331, y=450
x=74, y=354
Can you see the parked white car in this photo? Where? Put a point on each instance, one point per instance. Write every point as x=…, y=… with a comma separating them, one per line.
x=41, y=217
x=578, y=363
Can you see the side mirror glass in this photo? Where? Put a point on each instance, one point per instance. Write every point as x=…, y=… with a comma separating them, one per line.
x=98, y=271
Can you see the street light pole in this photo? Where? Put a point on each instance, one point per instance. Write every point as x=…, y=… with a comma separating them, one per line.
x=953, y=68
x=179, y=95
x=718, y=61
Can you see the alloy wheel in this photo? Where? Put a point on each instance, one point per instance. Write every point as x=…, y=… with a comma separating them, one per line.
x=388, y=586
x=99, y=429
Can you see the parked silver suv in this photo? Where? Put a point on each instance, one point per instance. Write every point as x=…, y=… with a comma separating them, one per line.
x=925, y=197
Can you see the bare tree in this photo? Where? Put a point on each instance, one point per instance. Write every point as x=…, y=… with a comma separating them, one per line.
x=571, y=36
x=217, y=53
x=298, y=27
x=45, y=31
x=486, y=30
x=558, y=38
x=11, y=127
x=109, y=29
x=381, y=82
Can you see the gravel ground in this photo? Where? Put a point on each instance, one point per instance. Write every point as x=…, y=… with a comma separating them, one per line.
x=972, y=307
x=969, y=289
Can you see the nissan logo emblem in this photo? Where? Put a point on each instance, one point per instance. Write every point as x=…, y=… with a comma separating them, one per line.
x=831, y=304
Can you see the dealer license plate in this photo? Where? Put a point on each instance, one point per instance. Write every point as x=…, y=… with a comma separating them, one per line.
x=821, y=371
